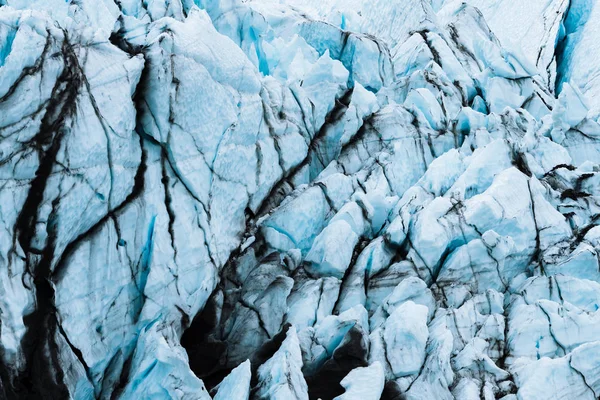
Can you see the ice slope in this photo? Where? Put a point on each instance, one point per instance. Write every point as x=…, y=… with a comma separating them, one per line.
x=581, y=26
x=535, y=28
x=267, y=199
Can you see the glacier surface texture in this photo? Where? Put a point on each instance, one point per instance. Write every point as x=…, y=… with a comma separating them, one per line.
x=300, y=199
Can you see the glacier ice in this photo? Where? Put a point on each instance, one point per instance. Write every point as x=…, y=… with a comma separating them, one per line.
x=363, y=383
x=286, y=199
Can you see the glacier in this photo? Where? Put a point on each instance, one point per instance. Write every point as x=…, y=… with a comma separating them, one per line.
x=299, y=199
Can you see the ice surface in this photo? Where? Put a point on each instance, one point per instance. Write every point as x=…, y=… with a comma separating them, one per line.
x=363, y=383
x=284, y=199
x=236, y=385
x=281, y=376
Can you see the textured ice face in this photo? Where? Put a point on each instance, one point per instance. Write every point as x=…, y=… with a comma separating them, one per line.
x=299, y=199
